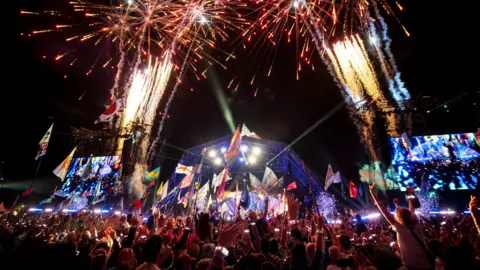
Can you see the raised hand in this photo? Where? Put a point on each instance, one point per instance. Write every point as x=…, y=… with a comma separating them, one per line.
x=473, y=204
x=293, y=207
x=227, y=236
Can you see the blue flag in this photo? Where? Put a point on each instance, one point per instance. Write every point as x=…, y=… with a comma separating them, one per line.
x=245, y=199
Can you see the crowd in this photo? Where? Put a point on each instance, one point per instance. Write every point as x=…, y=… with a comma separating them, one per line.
x=257, y=241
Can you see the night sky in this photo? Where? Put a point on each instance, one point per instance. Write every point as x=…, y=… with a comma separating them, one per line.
x=439, y=61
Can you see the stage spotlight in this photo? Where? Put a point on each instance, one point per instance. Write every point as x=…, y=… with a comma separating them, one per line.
x=224, y=149
x=212, y=153
x=117, y=213
x=217, y=161
x=242, y=159
x=97, y=211
x=243, y=148
x=257, y=151
x=48, y=210
x=252, y=160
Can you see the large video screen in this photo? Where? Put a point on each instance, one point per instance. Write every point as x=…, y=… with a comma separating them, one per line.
x=441, y=162
x=84, y=174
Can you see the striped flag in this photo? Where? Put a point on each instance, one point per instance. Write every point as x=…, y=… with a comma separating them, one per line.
x=234, y=147
x=221, y=188
x=183, y=169
x=44, y=143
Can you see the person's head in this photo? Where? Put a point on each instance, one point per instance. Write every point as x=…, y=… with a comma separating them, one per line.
x=193, y=251
x=99, y=259
x=265, y=244
x=334, y=254
x=404, y=217
x=208, y=250
x=345, y=243
x=129, y=218
x=151, y=248
x=311, y=250
x=123, y=218
x=126, y=259
x=296, y=233
x=203, y=264
x=184, y=262
x=273, y=246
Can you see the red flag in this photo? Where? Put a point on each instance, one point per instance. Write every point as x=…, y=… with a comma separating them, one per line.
x=137, y=204
x=112, y=110
x=234, y=146
x=292, y=185
x=353, y=190
x=27, y=192
x=221, y=188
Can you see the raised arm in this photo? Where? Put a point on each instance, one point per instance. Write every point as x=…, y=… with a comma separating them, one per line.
x=475, y=212
x=380, y=205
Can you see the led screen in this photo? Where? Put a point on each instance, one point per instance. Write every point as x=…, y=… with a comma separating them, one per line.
x=86, y=174
x=441, y=162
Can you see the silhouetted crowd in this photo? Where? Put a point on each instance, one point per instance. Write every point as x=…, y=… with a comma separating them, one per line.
x=256, y=241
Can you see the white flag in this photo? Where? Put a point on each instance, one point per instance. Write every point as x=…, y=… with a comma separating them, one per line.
x=44, y=143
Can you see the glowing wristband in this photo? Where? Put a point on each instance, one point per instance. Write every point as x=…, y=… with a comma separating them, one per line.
x=222, y=250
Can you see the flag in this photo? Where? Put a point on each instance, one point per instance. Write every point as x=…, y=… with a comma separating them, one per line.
x=234, y=147
x=153, y=175
x=201, y=197
x=248, y=133
x=292, y=185
x=27, y=192
x=184, y=200
x=256, y=184
x=44, y=143
x=111, y=111
x=60, y=193
x=337, y=179
x=269, y=179
x=329, y=177
x=209, y=200
x=221, y=188
x=162, y=191
x=245, y=198
x=62, y=169
x=137, y=204
x=86, y=170
x=183, y=169
x=187, y=180
x=98, y=188
x=353, y=190
x=49, y=200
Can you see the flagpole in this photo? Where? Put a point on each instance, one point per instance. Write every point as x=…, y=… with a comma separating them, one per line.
x=36, y=171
